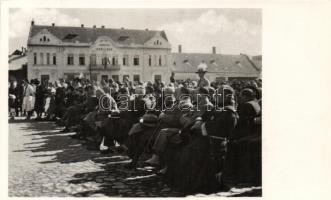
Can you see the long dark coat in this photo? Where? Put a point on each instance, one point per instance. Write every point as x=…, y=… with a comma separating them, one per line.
x=192, y=166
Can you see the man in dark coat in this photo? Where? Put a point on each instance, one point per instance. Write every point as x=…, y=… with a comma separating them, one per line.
x=40, y=99
x=243, y=164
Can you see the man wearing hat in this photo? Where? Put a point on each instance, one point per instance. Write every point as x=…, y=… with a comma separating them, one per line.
x=244, y=152
x=169, y=122
x=201, y=71
x=40, y=99
x=140, y=135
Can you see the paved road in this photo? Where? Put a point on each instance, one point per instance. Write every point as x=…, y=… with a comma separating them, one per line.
x=45, y=162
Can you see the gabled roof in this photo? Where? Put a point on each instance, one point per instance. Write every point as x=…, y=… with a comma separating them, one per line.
x=188, y=62
x=16, y=62
x=89, y=35
x=257, y=60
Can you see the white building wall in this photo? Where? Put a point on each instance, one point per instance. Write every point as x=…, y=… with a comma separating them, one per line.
x=61, y=68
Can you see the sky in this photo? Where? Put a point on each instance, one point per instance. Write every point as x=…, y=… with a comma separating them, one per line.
x=231, y=31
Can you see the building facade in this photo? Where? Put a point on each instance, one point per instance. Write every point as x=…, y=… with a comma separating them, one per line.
x=56, y=52
x=220, y=67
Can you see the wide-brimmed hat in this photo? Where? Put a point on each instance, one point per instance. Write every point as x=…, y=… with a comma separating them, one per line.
x=149, y=120
x=202, y=68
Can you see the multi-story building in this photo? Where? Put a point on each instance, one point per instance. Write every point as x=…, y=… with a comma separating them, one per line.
x=56, y=52
x=98, y=53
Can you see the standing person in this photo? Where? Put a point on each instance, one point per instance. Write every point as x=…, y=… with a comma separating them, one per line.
x=201, y=71
x=59, y=100
x=172, y=77
x=13, y=98
x=40, y=99
x=243, y=163
x=28, y=95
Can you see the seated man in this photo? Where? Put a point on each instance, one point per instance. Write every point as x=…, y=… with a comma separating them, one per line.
x=173, y=137
x=170, y=122
x=168, y=118
x=243, y=163
x=116, y=126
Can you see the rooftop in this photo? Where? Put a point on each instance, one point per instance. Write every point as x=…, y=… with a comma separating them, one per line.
x=188, y=62
x=88, y=35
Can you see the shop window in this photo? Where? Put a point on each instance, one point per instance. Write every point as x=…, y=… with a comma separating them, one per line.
x=104, y=77
x=44, y=78
x=157, y=78
x=136, y=77
x=116, y=78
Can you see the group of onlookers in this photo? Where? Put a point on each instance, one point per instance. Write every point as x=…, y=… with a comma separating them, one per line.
x=200, y=136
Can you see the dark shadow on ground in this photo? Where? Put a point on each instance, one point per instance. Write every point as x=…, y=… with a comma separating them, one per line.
x=114, y=178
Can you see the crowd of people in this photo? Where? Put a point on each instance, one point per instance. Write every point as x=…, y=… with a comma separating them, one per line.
x=199, y=136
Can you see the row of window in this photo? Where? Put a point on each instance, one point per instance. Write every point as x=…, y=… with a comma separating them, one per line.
x=50, y=59
x=158, y=60
x=44, y=39
x=136, y=77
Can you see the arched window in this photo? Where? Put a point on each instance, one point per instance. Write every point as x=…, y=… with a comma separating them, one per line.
x=44, y=38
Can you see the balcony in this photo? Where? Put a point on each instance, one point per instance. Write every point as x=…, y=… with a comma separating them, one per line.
x=106, y=67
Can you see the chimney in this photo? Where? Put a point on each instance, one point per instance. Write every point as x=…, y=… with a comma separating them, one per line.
x=22, y=50
x=180, y=48
x=94, y=26
x=32, y=22
x=82, y=25
x=102, y=26
x=53, y=24
x=214, y=50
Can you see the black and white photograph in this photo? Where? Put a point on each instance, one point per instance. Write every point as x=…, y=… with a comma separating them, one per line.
x=135, y=102
x=161, y=100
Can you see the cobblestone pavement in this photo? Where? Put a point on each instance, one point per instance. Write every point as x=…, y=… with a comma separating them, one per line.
x=45, y=162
